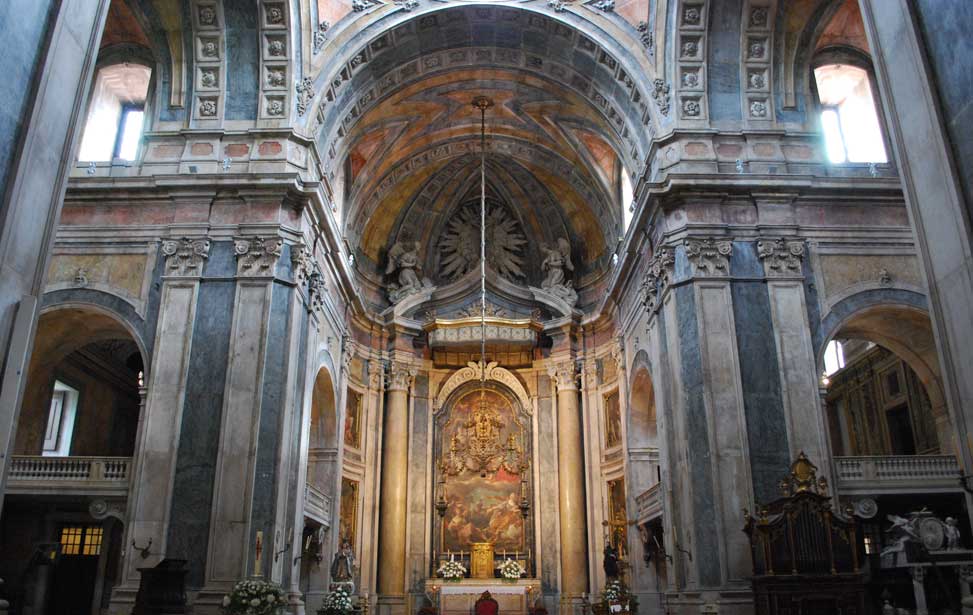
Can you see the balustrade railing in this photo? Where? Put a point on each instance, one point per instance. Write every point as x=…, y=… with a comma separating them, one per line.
x=649, y=502
x=317, y=505
x=905, y=471
x=35, y=472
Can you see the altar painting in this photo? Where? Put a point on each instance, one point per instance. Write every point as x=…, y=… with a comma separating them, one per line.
x=485, y=472
x=353, y=420
x=348, y=518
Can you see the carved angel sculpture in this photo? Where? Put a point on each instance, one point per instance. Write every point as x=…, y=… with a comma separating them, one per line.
x=556, y=260
x=404, y=257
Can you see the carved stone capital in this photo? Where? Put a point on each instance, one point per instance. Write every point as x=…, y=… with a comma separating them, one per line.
x=401, y=376
x=710, y=257
x=589, y=372
x=302, y=262
x=564, y=375
x=184, y=257
x=657, y=277
x=781, y=257
x=257, y=256
x=376, y=374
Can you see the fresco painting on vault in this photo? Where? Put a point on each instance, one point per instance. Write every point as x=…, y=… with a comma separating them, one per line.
x=483, y=500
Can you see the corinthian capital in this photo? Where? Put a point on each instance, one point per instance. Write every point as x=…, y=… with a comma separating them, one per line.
x=401, y=376
x=709, y=257
x=564, y=374
x=185, y=256
x=257, y=256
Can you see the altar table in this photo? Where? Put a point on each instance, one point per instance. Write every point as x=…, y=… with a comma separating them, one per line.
x=458, y=598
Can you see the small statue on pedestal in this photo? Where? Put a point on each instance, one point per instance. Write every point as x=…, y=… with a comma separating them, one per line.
x=343, y=566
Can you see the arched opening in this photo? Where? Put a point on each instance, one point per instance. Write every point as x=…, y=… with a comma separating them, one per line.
x=320, y=497
x=645, y=477
x=73, y=456
x=888, y=422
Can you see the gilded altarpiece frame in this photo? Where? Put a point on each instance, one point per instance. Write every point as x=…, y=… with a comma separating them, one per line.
x=483, y=454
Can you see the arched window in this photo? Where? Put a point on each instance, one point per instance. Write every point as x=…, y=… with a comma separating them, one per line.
x=116, y=115
x=848, y=113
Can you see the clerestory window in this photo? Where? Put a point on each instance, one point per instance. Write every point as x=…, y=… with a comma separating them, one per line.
x=849, y=117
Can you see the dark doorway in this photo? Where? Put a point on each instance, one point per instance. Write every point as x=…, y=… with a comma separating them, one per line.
x=73, y=588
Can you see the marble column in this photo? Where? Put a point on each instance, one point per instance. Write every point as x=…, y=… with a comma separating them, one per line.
x=395, y=474
x=570, y=464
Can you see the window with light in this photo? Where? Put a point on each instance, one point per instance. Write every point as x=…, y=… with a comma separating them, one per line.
x=115, y=118
x=849, y=118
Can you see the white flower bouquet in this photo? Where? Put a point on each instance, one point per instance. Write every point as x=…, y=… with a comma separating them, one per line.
x=511, y=569
x=337, y=602
x=254, y=597
x=451, y=570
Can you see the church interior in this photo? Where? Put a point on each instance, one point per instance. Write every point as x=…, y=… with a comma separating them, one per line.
x=480, y=307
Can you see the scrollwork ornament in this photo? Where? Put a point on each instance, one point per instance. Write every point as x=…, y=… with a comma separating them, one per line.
x=709, y=257
x=305, y=95
x=184, y=257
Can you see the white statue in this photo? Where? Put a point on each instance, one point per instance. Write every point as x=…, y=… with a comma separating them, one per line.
x=404, y=257
x=951, y=529
x=556, y=260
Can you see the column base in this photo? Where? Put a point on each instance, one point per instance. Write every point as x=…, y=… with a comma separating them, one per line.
x=572, y=604
x=391, y=605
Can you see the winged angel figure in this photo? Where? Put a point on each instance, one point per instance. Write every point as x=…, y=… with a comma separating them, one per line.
x=460, y=245
x=404, y=258
x=556, y=260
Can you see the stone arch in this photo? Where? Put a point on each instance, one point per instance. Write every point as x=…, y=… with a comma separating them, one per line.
x=107, y=400
x=898, y=321
x=324, y=411
x=642, y=426
x=471, y=373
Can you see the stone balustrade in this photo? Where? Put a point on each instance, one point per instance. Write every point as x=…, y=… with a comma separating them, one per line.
x=317, y=505
x=69, y=475
x=649, y=503
x=897, y=473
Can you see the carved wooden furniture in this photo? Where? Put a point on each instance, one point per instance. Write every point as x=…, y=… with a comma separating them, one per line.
x=806, y=557
x=486, y=605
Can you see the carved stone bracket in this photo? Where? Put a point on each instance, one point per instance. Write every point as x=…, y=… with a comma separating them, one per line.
x=401, y=376
x=657, y=278
x=184, y=257
x=618, y=353
x=257, y=256
x=709, y=257
x=564, y=375
x=306, y=271
x=494, y=372
x=102, y=509
x=781, y=257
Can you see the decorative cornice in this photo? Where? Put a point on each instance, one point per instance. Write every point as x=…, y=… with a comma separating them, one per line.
x=709, y=257
x=473, y=372
x=257, y=256
x=401, y=376
x=781, y=257
x=184, y=257
x=564, y=375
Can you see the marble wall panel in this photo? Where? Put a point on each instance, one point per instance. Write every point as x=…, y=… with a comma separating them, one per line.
x=192, y=490
x=418, y=485
x=266, y=481
x=547, y=489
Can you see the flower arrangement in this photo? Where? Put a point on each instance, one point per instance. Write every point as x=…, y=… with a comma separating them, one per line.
x=511, y=569
x=451, y=570
x=338, y=602
x=254, y=597
x=616, y=597
x=613, y=591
